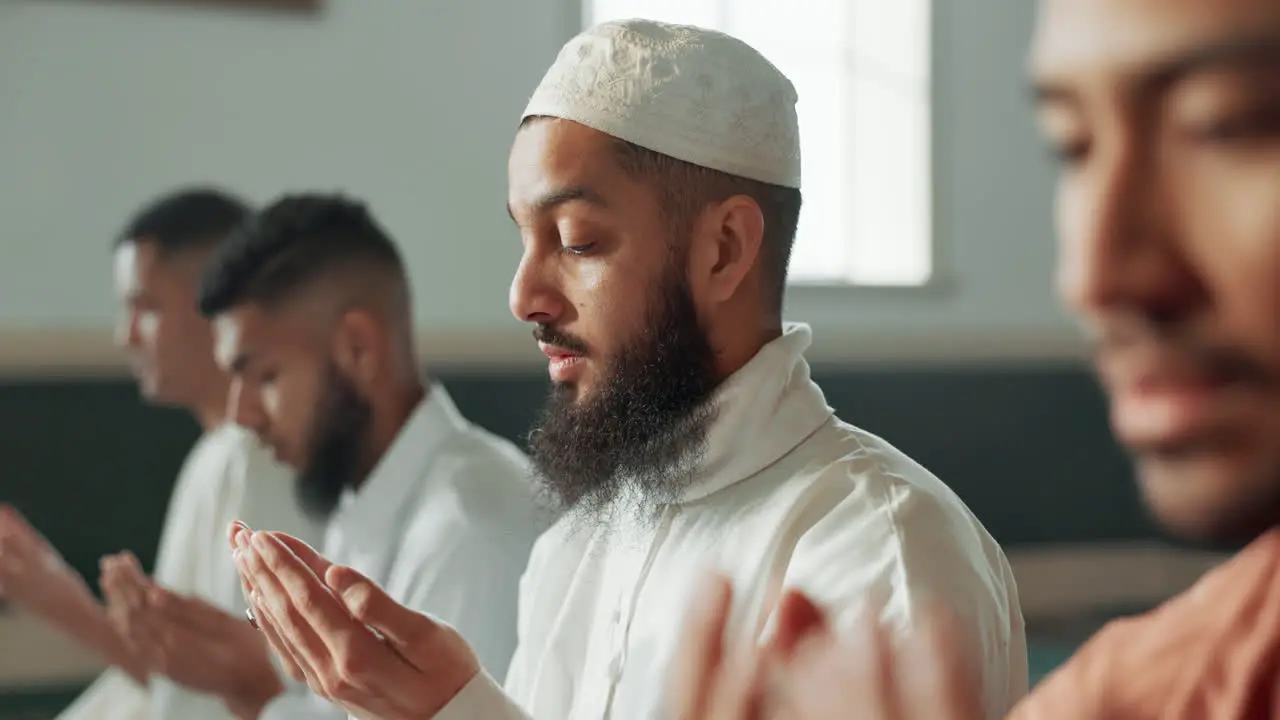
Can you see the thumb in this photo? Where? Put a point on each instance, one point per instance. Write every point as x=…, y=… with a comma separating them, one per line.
x=372, y=606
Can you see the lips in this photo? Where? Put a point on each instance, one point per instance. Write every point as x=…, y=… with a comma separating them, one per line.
x=555, y=352
x=1159, y=401
x=562, y=364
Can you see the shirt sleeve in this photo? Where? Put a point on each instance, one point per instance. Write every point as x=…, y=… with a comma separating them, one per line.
x=904, y=549
x=481, y=699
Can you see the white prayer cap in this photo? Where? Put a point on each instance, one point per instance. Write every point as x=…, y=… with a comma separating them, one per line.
x=695, y=94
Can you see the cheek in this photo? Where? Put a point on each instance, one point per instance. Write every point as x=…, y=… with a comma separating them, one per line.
x=1071, y=222
x=1234, y=238
x=611, y=300
x=149, y=328
x=271, y=402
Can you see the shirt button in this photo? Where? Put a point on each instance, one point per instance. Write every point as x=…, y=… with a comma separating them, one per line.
x=615, y=669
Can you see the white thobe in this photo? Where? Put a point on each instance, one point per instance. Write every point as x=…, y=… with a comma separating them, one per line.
x=787, y=496
x=445, y=524
x=228, y=475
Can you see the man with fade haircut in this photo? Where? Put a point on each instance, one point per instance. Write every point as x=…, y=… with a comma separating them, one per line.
x=313, y=319
x=1165, y=115
x=158, y=259
x=655, y=183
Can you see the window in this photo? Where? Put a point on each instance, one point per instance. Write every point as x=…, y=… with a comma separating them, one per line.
x=861, y=68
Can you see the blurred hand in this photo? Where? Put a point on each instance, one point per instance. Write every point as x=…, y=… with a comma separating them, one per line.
x=337, y=631
x=206, y=649
x=806, y=672
x=124, y=587
x=33, y=576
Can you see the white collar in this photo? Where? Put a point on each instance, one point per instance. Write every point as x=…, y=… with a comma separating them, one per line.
x=764, y=410
x=367, y=516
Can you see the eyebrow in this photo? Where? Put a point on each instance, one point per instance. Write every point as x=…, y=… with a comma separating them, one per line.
x=556, y=198
x=1253, y=49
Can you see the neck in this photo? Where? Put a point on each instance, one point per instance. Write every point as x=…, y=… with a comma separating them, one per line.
x=735, y=352
x=387, y=424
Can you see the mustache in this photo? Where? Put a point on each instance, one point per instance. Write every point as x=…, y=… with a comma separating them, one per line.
x=549, y=335
x=1185, y=342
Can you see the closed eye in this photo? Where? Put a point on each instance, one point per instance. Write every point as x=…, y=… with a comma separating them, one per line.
x=582, y=249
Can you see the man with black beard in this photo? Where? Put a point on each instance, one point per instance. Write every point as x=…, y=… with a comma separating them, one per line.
x=312, y=318
x=633, y=445
x=655, y=181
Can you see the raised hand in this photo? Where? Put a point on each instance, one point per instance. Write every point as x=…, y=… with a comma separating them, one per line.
x=807, y=672
x=207, y=649
x=33, y=576
x=124, y=587
x=348, y=640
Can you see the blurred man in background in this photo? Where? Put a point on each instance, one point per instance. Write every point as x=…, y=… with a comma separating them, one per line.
x=159, y=258
x=1166, y=117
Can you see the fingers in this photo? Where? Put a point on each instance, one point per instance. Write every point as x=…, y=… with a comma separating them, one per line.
x=292, y=665
x=347, y=659
x=12, y=521
x=304, y=613
x=233, y=533
x=371, y=605
x=121, y=582
x=248, y=563
x=827, y=676
x=797, y=618
x=304, y=552
x=696, y=666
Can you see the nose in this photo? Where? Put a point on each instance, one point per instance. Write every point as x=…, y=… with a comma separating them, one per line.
x=535, y=295
x=126, y=331
x=1120, y=245
x=244, y=407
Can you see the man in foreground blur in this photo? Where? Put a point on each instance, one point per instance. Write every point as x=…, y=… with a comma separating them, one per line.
x=313, y=318
x=1166, y=117
x=158, y=263
x=655, y=183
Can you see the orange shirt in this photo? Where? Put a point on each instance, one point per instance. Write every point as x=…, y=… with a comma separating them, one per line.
x=1212, y=653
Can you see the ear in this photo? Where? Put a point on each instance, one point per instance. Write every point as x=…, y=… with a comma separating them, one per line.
x=727, y=240
x=357, y=346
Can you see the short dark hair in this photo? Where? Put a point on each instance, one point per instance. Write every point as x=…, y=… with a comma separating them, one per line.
x=191, y=218
x=685, y=189
x=291, y=243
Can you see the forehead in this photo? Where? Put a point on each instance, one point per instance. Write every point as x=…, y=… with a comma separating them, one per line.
x=249, y=332
x=133, y=264
x=1076, y=39
x=550, y=155
x=241, y=331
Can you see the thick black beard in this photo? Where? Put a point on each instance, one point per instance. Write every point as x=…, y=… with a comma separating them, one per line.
x=337, y=440
x=638, y=441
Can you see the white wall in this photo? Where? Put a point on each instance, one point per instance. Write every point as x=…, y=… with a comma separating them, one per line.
x=412, y=105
